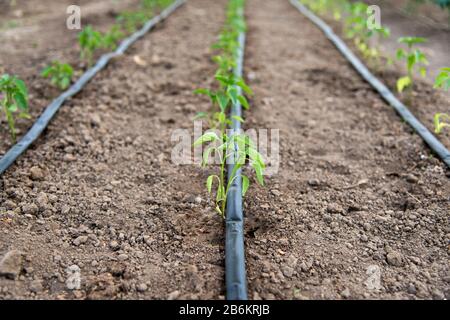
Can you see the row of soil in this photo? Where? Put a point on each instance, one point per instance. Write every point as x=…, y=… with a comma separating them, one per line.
x=426, y=101
x=37, y=36
x=357, y=190
x=99, y=191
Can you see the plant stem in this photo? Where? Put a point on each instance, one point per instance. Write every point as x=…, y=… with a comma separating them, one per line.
x=9, y=116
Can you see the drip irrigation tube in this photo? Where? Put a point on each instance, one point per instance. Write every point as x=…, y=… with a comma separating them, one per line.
x=235, y=275
x=44, y=119
x=387, y=95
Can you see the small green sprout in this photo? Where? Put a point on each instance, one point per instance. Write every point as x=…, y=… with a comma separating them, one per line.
x=443, y=79
x=112, y=38
x=414, y=58
x=15, y=99
x=131, y=20
x=60, y=74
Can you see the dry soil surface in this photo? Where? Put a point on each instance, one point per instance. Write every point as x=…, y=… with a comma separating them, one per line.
x=98, y=195
x=359, y=208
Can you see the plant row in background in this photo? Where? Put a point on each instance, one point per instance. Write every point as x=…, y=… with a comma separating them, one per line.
x=368, y=42
x=220, y=143
x=13, y=91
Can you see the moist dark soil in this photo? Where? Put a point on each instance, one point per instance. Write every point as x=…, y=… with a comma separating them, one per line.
x=359, y=208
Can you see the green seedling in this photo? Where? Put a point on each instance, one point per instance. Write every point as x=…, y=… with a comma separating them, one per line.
x=14, y=99
x=366, y=40
x=89, y=41
x=131, y=21
x=112, y=38
x=414, y=58
x=222, y=100
x=224, y=147
x=441, y=120
x=443, y=79
x=60, y=74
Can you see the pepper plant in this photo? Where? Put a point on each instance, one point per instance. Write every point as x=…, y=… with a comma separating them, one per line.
x=112, y=37
x=14, y=99
x=60, y=74
x=235, y=147
x=414, y=58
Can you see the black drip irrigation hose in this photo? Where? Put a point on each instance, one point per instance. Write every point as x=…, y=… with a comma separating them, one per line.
x=235, y=275
x=387, y=95
x=44, y=119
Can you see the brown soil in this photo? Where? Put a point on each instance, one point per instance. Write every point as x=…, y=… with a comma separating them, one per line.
x=357, y=189
x=110, y=201
x=426, y=101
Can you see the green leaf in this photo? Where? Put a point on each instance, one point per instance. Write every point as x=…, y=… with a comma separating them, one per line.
x=12, y=108
x=237, y=118
x=207, y=137
x=400, y=54
x=46, y=72
x=232, y=94
x=21, y=101
x=443, y=79
x=202, y=91
x=241, y=83
x=223, y=79
x=222, y=100
x=65, y=83
x=220, y=193
x=24, y=115
x=438, y=122
x=244, y=102
x=206, y=156
x=245, y=185
x=258, y=172
x=402, y=83
x=21, y=86
x=209, y=183
x=411, y=61
x=423, y=71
